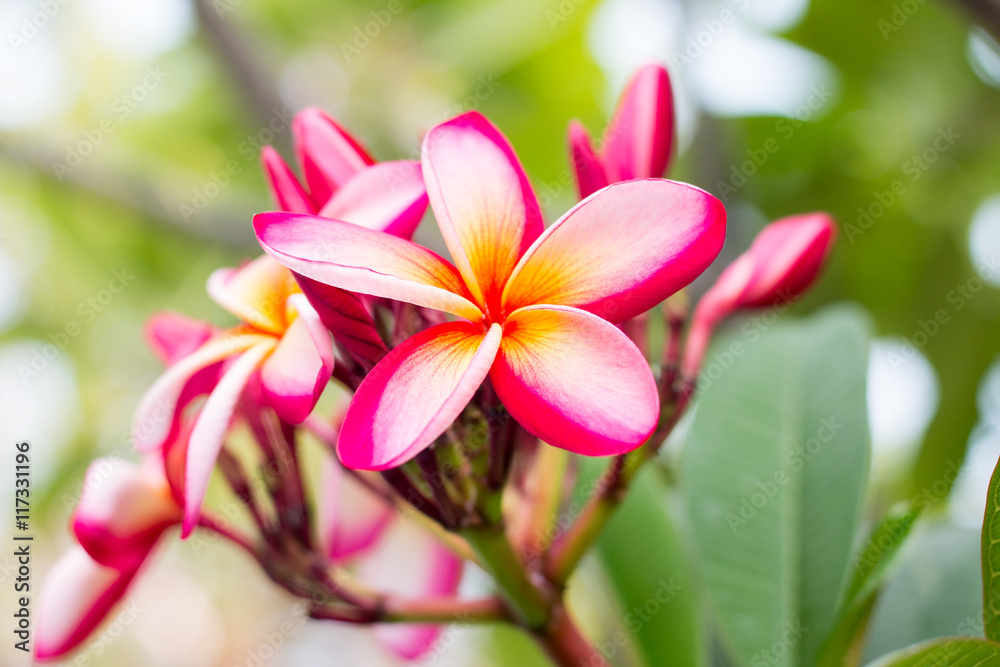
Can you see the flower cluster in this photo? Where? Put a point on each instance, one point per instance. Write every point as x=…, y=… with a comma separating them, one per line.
x=471, y=379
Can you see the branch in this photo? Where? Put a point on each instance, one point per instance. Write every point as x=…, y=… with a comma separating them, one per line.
x=444, y=610
x=129, y=192
x=251, y=79
x=572, y=545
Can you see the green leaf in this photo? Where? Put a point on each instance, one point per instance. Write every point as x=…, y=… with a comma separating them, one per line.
x=948, y=652
x=649, y=571
x=773, y=475
x=844, y=644
x=991, y=559
x=936, y=591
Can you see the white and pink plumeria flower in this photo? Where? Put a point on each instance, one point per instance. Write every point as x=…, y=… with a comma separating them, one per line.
x=283, y=342
x=536, y=307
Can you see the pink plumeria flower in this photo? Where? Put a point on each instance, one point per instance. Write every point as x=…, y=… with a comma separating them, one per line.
x=391, y=555
x=638, y=141
x=343, y=179
x=345, y=183
x=124, y=513
x=779, y=266
x=282, y=344
x=537, y=307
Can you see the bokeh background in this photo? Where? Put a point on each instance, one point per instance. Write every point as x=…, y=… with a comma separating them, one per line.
x=130, y=135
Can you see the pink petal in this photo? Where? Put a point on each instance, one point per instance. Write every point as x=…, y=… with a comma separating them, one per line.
x=589, y=170
x=410, y=563
x=641, y=134
x=285, y=188
x=210, y=430
x=155, y=418
x=173, y=336
x=255, y=293
x=414, y=394
x=345, y=315
x=296, y=373
x=123, y=512
x=362, y=260
x=388, y=197
x=351, y=517
x=622, y=250
x=482, y=200
x=329, y=155
x=788, y=255
x=77, y=595
x=575, y=381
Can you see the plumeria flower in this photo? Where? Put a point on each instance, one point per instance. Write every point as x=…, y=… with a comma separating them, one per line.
x=345, y=183
x=779, y=266
x=118, y=523
x=125, y=511
x=284, y=343
x=638, y=141
x=281, y=343
x=536, y=306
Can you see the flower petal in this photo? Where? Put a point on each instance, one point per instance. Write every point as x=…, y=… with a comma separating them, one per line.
x=414, y=394
x=345, y=315
x=296, y=373
x=409, y=562
x=575, y=381
x=329, y=155
x=788, y=254
x=351, y=517
x=285, y=188
x=388, y=197
x=122, y=513
x=77, y=595
x=210, y=430
x=362, y=260
x=255, y=292
x=173, y=336
x=622, y=250
x=588, y=168
x=482, y=200
x=641, y=134
x=155, y=418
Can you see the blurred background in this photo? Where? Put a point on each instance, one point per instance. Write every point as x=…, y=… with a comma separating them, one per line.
x=130, y=135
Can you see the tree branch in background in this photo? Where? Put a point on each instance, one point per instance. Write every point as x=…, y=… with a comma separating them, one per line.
x=131, y=193
x=249, y=74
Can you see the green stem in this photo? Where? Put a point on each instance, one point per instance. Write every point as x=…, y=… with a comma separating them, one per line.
x=564, y=643
x=567, y=551
x=445, y=610
x=527, y=602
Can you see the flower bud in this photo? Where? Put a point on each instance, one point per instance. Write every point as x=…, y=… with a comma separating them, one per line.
x=780, y=265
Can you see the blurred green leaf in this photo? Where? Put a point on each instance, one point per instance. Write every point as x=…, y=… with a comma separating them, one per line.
x=935, y=592
x=991, y=559
x=844, y=644
x=951, y=652
x=773, y=474
x=654, y=583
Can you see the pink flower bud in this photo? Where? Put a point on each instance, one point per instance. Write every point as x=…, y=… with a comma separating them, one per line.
x=123, y=512
x=782, y=263
x=638, y=140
